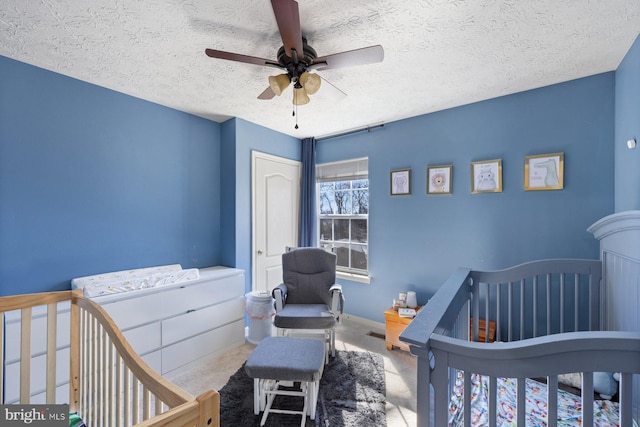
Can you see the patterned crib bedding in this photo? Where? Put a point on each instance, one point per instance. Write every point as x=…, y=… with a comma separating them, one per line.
x=75, y=420
x=569, y=405
x=128, y=280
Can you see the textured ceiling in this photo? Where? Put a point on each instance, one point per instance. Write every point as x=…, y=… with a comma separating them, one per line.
x=438, y=53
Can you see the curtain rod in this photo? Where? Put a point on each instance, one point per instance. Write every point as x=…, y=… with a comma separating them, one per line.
x=367, y=129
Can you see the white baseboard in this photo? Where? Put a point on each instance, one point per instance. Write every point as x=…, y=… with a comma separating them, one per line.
x=367, y=322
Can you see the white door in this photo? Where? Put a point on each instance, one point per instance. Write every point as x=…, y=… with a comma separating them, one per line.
x=275, y=205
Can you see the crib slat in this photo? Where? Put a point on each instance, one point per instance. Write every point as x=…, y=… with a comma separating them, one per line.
x=587, y=399
x=626, y=399
x=498, y=316
x=522, y=309
x=118, y=387
x=127, y=395
x=561, y=302
x=552, y=401
x=522, y=403
x=25, y=356
x=135, y=401
x=476, y=312
x=146, y=403
x=158, y=405
x=487, y=313
x=467, y=399
x=493, y=405
x=74, y=359
x=576, y=299
x=595, y=323
x=548, y=304
x=52, y=318
x=93, y=381
x=441, y=391
x=510, y=308
x=535, y=306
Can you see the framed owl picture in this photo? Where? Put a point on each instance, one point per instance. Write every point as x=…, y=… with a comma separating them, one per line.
x=486, y=176
x=439, y=179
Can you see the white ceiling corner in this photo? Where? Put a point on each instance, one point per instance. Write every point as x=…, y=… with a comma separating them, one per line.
x=438, y=53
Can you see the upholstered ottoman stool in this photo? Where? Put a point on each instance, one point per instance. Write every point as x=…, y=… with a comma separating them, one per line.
x=281, y=361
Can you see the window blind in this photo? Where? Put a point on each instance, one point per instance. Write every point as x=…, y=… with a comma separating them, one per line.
x=347, y=170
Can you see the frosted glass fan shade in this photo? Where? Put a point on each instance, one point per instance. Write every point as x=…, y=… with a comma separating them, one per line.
x=300, y=96
x=278, y=83
x=310, y=82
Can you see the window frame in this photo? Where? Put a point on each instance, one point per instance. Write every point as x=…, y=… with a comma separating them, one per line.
x=344, y=171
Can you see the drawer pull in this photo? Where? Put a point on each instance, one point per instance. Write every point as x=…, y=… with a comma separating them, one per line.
x=191, y=311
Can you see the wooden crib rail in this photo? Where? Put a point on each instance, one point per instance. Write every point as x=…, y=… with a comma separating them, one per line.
x=109, y=384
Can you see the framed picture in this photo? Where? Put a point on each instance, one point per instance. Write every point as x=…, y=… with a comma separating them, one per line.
x=439, y=179
x=486, y=176
x=400, y=182
x=544, y=172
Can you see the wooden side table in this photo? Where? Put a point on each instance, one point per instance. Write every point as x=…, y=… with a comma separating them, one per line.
x=394, y=325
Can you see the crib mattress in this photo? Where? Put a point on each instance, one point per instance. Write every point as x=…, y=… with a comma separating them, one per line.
x=605, y=412
x=129, y=280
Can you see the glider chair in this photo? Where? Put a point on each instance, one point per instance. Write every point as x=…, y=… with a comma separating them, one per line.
x=309, y=300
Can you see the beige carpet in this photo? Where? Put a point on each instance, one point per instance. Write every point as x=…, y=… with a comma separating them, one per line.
x=400, y=370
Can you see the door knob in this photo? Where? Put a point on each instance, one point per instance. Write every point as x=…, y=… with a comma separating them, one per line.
x=259, y=252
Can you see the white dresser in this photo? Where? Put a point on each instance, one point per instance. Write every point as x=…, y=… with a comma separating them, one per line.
x=174, y=325
x=169, y=326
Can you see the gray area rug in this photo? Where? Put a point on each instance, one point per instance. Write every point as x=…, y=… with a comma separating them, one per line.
x=352, y=393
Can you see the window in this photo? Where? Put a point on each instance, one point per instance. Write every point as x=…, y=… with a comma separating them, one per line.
x=343, y=213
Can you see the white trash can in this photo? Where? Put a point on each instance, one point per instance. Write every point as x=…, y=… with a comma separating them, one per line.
x=260, y=309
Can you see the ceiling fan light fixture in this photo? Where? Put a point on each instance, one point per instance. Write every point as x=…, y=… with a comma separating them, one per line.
x=300, y=95
x=279, y=83
x=310, y=82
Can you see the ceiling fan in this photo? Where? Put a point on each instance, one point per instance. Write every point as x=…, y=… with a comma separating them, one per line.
x=297, y=59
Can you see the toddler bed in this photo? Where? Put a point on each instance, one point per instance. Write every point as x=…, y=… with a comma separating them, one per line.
x=548, y=318
x=87, y=363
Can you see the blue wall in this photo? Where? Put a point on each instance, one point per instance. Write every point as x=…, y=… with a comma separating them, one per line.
x=92, y=180
x=240, y=139
x=417, y=241
x=627, y=125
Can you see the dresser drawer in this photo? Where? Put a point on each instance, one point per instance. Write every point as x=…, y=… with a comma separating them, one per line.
x=137, y=310
x=208, y=343
x=145, y=338
x=198, y=321
x=189, y=297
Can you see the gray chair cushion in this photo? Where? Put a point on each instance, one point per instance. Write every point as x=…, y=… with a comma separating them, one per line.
x=287, y=359
x=308, y=274
x=304, y=316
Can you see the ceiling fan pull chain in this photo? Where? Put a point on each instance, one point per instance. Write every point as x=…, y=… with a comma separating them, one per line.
x=295, y=108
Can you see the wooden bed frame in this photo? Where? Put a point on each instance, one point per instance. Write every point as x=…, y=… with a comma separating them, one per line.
x=109, y=384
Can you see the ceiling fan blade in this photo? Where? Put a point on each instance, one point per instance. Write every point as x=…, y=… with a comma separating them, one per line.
x=267, y=94
x=331, y=91
x=366, y=55
x=288, y=20
x=213, y=53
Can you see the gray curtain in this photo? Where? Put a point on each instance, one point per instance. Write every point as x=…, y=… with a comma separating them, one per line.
x=307, y=233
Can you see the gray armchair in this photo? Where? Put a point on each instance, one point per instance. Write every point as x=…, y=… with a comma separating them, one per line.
x=309, y=298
